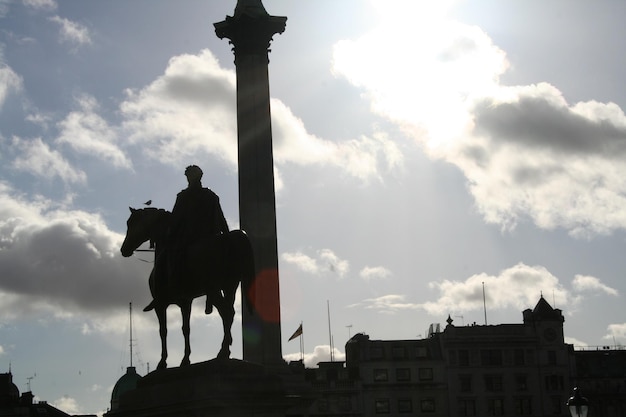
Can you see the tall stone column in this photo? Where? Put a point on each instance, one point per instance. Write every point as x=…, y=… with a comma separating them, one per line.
x=250, y=32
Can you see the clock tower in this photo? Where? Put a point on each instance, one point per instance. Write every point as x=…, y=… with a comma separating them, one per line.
x=547, y=321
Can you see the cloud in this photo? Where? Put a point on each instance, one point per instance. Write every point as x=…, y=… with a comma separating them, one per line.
x=67, y=404
x=362, y=158
x=4, y=7
x=35, y=157
x=72, y=32
x=616, y=331
x=89, y=134
x=45, y=5
x=516, y=287
x=325, y=261
x=387, y=304
x=1, y=350
x=376, y=272
x=321, y=353
x=191, y=110
x=187, y=111
x=526, y=152
x=587, y=283
x=575, y=342
x=56, y=262
x=9, y=81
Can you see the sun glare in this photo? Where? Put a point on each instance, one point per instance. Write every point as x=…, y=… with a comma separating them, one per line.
x=422, y=69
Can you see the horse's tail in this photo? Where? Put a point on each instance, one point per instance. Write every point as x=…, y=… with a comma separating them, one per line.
x=247, y=268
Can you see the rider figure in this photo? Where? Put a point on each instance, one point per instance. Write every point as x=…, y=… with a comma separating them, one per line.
x=196, y=216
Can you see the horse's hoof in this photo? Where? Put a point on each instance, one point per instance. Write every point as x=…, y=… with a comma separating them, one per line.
x=185, y=362
x=162, y=365
x=223, y=354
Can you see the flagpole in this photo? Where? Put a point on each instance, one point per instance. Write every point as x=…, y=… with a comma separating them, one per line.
x=330, y=337
x=302, y=344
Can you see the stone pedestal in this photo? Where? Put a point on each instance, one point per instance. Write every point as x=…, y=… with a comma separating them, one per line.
x=216, y=388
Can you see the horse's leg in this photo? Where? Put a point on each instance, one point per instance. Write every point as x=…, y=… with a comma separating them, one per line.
x=185, y=310
x=227, y=311
x=161, y=312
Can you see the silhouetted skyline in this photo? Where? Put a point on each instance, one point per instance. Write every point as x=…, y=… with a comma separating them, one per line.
x=419, y=152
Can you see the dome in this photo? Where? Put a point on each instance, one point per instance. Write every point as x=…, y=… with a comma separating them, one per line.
x=126, y=383
x=9, y=394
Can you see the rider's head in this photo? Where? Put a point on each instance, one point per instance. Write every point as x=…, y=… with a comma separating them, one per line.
x=193, y=173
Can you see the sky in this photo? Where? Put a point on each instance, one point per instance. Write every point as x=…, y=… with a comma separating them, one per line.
x=424, y=151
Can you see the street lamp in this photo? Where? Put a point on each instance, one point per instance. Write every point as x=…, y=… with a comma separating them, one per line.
x=578, y=405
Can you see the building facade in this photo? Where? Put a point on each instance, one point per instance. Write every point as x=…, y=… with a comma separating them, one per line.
x=516, y=370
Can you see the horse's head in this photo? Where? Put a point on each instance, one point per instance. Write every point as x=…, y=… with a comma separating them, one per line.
x=140, y=228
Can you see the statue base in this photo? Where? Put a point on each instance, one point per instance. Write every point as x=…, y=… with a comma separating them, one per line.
x=217, y=388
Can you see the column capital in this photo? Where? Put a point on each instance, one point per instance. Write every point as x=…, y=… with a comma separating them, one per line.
x=250, y=34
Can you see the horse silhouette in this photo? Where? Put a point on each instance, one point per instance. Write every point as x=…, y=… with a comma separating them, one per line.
x=214, y=267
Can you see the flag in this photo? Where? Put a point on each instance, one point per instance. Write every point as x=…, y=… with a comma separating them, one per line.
x=297, y=333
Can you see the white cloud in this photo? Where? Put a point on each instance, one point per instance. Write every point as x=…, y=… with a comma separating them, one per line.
x=9, y=82
x=376, y=272
x=525, y=151
x=4, y=7
x=362, y=158
x=321, y=353
x=302, y=261
x=36, y=157
x=588, y=283
x=88, y=133
x=575, y=342
x=45, y=5
x=191, y=110
x=187, y=111
x=72, y=32
x=616, y=331
x=325, y=261
x=55, y=262
x=67, y=404
x=387, y=304
x=518, y=287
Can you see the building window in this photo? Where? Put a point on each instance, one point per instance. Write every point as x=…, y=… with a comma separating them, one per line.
x=421, y=352
x=493, y=383
x=405, y=405
x=428, y=405
x=344, y=403
x=551, y=357
x=381, y=406
x=521, y=382
x=425, y=374
x=381, y=375
x=403, y=374
x=376, y=352
x=518, y=357
x=523, y=406
x=495, y=407
x=491, y=357
x=464, y=357
x=452, y=357
x=322, y=405
x=398, y=352
x=556, y=404
x=467, y=407
x=554, y=382
x=465, y=383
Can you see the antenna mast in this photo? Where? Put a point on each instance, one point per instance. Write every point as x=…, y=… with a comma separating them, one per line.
x=484, y=303
x=130, y=319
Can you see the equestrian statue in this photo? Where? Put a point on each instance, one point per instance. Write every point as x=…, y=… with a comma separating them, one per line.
x=195, y=255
